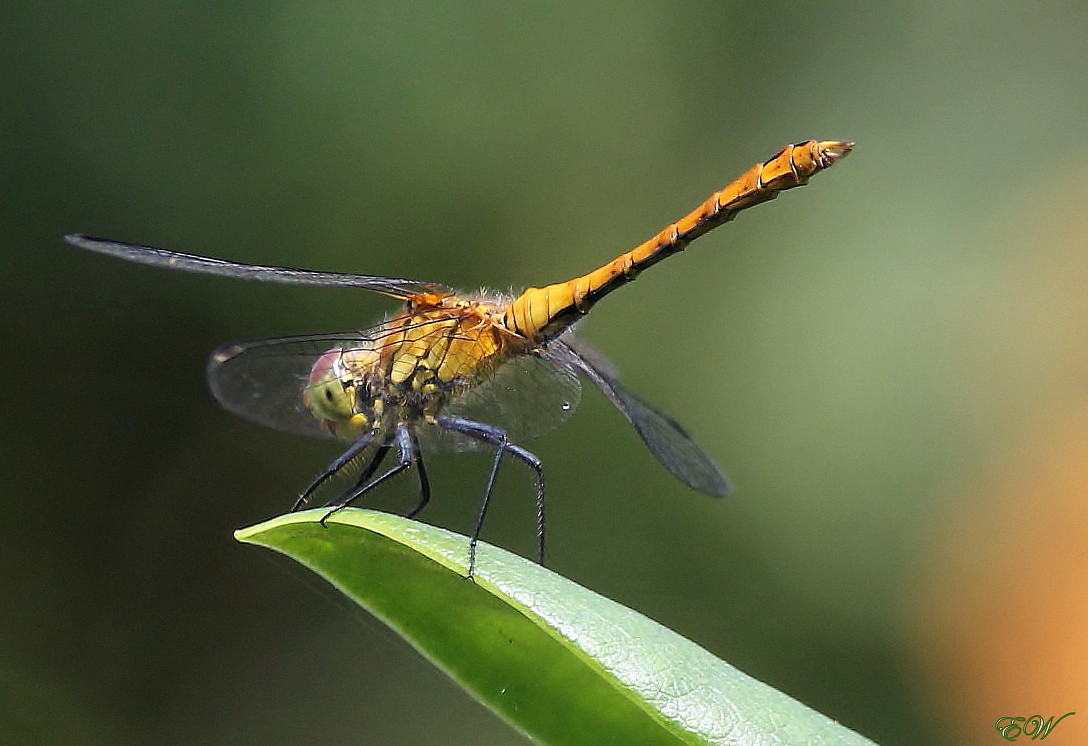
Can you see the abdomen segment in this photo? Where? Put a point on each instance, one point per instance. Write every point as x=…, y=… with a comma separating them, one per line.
x=540, y=314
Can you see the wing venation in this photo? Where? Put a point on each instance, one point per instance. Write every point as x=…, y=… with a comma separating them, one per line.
x=393, y=286
x=665, y=438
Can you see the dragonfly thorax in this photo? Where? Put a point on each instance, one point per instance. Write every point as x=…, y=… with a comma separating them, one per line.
x=410, y=367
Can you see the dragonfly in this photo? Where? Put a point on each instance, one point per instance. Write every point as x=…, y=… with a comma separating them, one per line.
x=460, y=372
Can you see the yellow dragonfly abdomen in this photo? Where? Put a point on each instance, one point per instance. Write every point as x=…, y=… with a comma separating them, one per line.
x=540, y=314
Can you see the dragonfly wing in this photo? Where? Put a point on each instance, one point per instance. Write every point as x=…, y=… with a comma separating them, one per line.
x=263, y=380
x=665, y=438
x=527, y=397
x=394, y=286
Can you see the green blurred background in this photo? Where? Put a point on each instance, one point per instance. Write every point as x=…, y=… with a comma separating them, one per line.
x=883, y=362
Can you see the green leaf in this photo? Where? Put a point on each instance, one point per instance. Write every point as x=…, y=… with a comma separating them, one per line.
x=557, y=661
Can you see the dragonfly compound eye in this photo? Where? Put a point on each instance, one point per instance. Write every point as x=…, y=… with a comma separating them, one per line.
x=331, y=393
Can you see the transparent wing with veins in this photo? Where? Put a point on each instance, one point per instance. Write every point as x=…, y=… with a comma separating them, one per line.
x=666, y=438
x=529, y=396
x=264, y=380
x=392, y=286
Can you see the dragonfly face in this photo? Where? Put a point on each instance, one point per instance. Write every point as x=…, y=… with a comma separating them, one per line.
x=453, y=371
x=340, y=392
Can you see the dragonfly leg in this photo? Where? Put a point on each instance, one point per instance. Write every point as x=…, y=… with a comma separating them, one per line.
x=424, y=483
x=534, y=463
x=361, y=486
x=355, y=491
x=409, y=455
x=355, y=449
x=498, y=438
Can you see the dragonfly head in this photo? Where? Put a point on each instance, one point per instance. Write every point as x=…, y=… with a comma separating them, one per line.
x=336, y=392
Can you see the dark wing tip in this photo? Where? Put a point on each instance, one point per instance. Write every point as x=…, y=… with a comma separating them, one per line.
x=720, y=488
x=82, y=240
